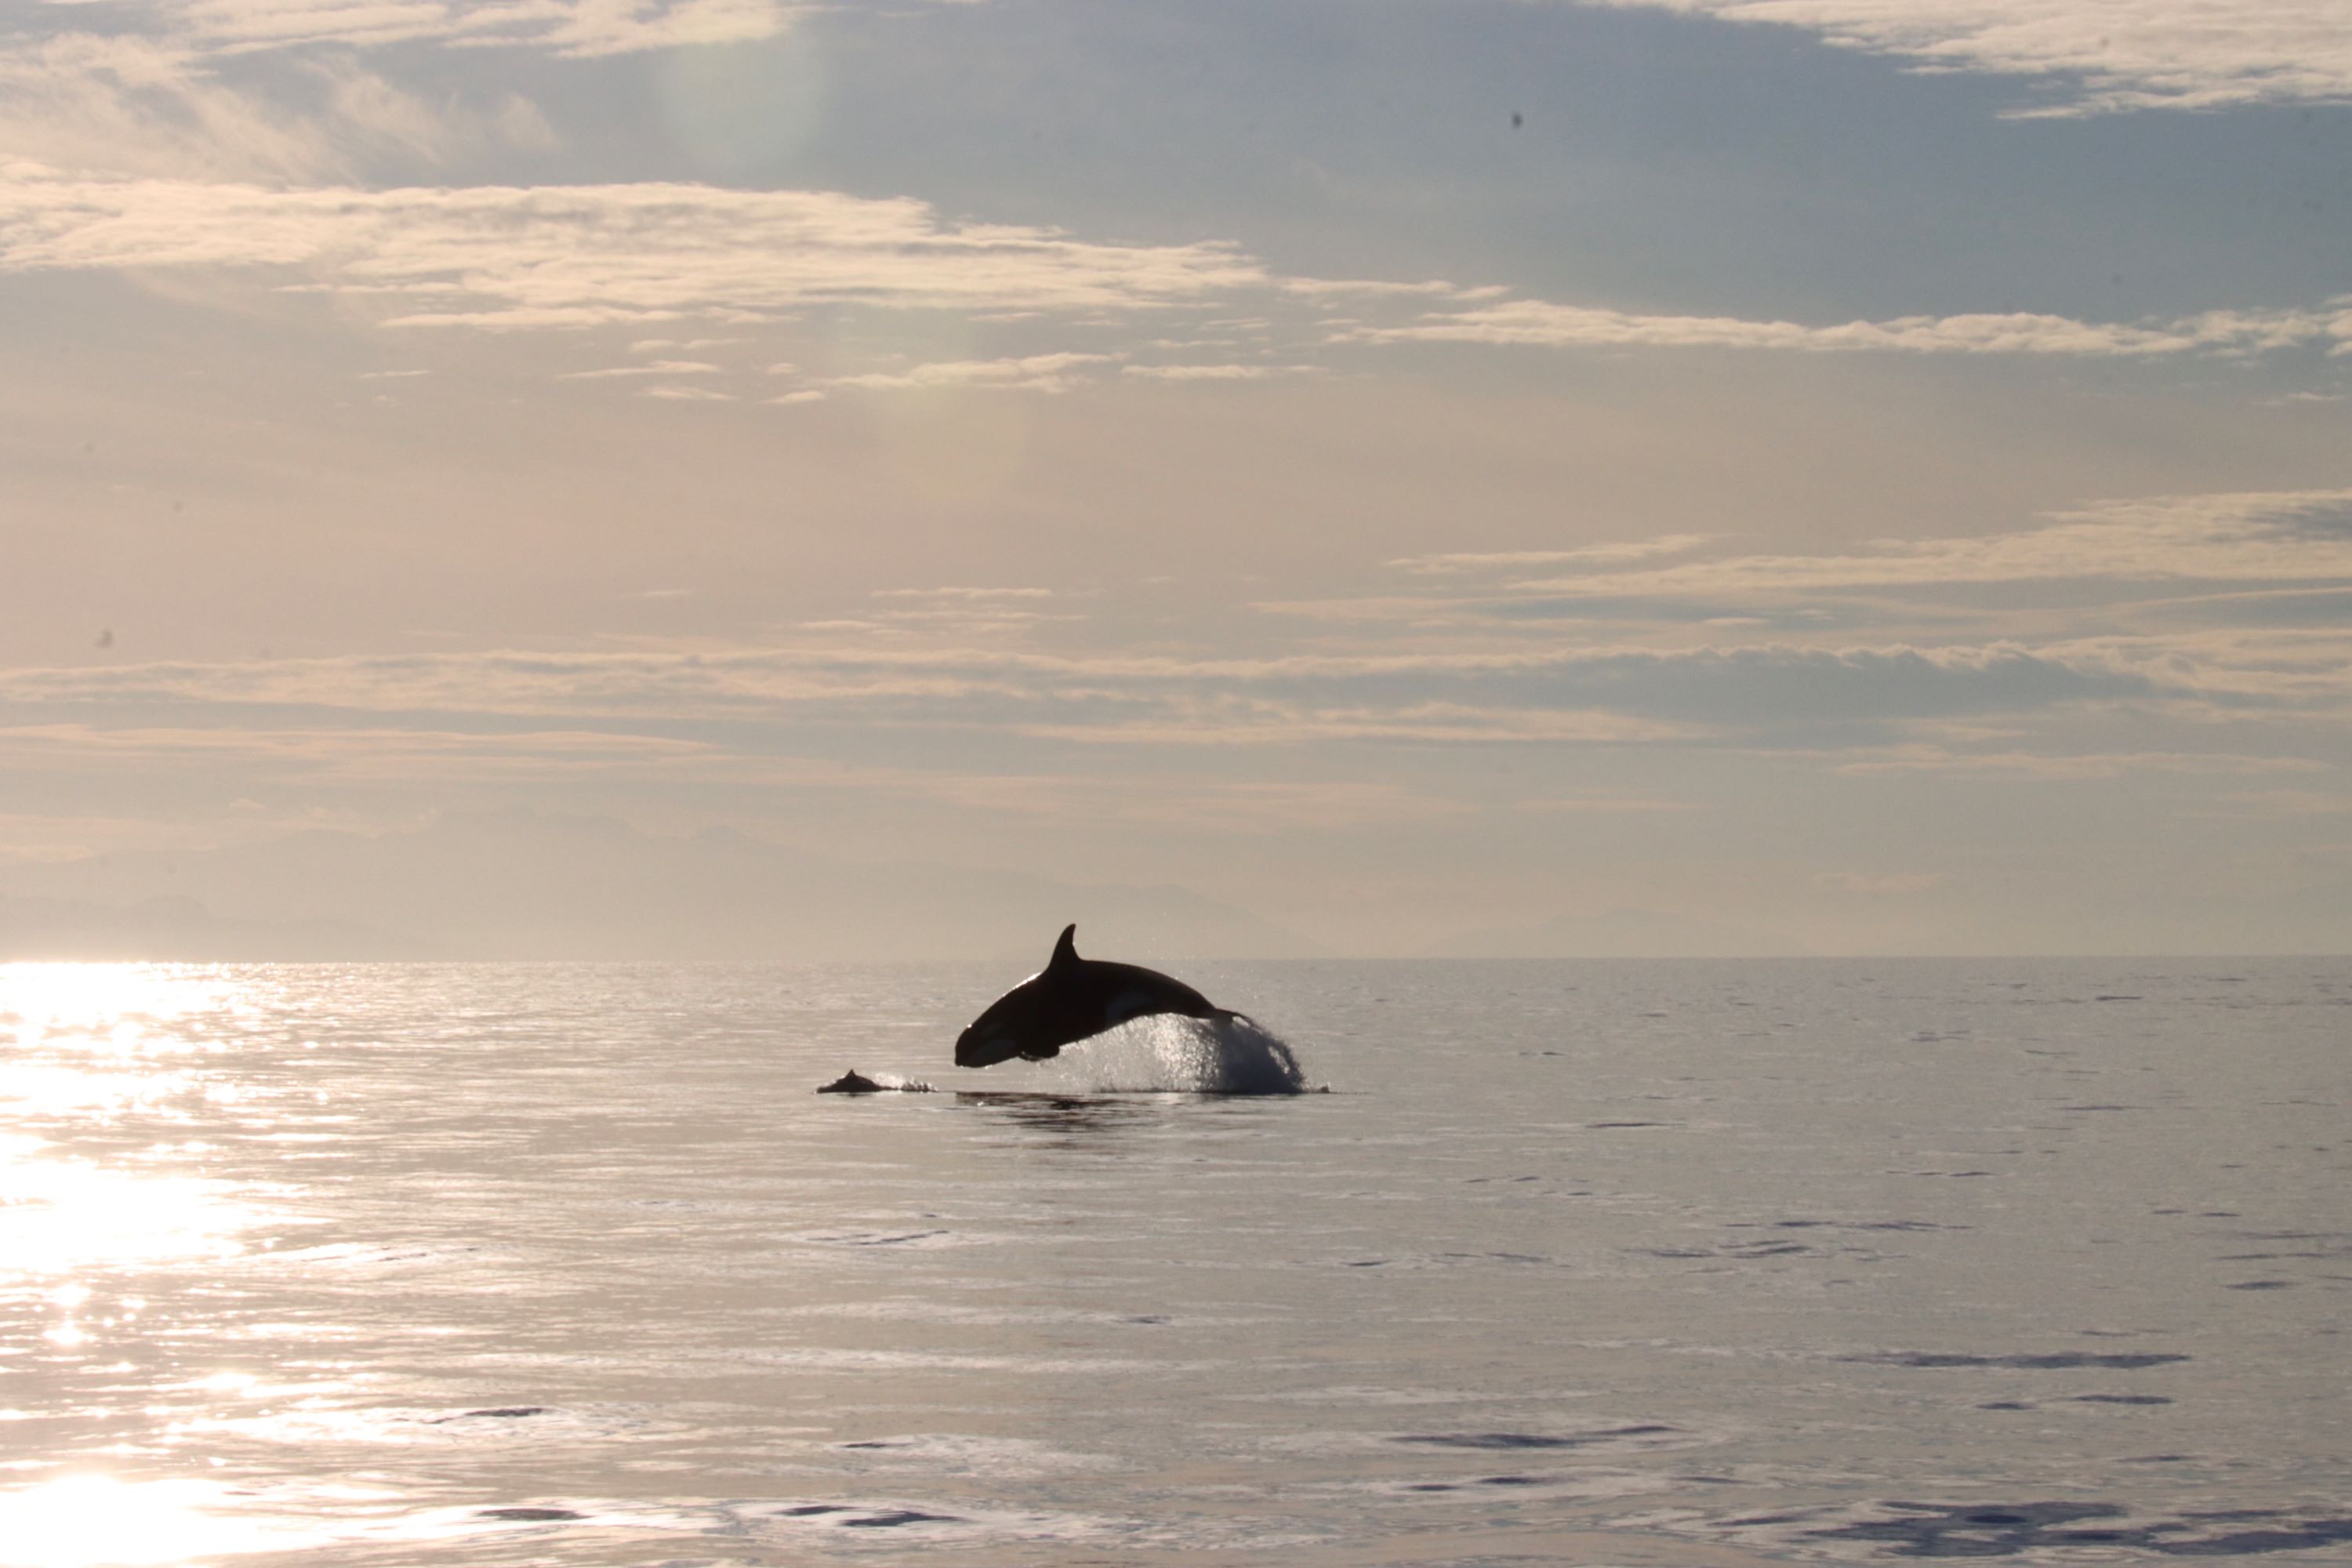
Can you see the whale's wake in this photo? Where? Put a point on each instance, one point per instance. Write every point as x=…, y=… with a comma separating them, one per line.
x=1170, y=1053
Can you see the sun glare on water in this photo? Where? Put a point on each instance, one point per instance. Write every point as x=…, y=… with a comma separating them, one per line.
x=96, y=1044
x=84, y=1521
x=103, y=1052
x=59, y=1215
x=104, y=1005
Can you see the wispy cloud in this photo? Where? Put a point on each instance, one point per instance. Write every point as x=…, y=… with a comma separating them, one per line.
x=511, y=258
x=2101, y=56
x=1601, y=804
x=966, y=594
x=655, y=367
x=414, y=755
x=2281, y=558
x=2296, y=536
x=1212, y=724
x=959, y=610
x=2215, y=605
x=1217, y=372
x=1254, y=808
x=130, y=105
x=2292, y=804
x=349, y=753
x=1924, y=758
x=1029, y=373
x=1518, y=560
x=1331, y=289
x=1591, y=693
x=578, y=28
x=1790, y=639
x=1544, y=324
x=508, y=258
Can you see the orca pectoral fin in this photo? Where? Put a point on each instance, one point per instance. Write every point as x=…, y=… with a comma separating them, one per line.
x=1041, y=1053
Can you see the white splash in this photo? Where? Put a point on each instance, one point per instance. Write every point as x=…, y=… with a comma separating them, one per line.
x=1168, y=1054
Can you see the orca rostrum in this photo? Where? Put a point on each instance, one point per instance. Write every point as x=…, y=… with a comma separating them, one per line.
x=1072, y=999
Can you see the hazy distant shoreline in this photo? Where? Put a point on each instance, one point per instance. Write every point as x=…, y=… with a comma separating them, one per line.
x=522, y=885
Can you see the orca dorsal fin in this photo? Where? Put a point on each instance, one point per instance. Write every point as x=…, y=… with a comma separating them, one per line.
x=1066, y=949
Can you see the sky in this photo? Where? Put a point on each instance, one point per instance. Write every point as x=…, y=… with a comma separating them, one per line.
x=1397, y=476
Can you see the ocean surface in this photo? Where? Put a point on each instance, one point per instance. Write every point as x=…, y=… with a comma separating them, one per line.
x=1610, y=1263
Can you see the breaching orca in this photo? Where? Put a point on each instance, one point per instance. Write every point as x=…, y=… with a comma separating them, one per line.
x=1069, y=1000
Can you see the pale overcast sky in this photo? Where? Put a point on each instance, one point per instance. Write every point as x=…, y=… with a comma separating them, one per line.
x=1855, y=475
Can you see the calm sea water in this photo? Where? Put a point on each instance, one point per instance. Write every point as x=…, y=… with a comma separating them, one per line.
x=1604, y=1263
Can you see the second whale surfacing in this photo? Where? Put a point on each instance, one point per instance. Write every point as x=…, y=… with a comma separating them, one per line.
x=1072, y=999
